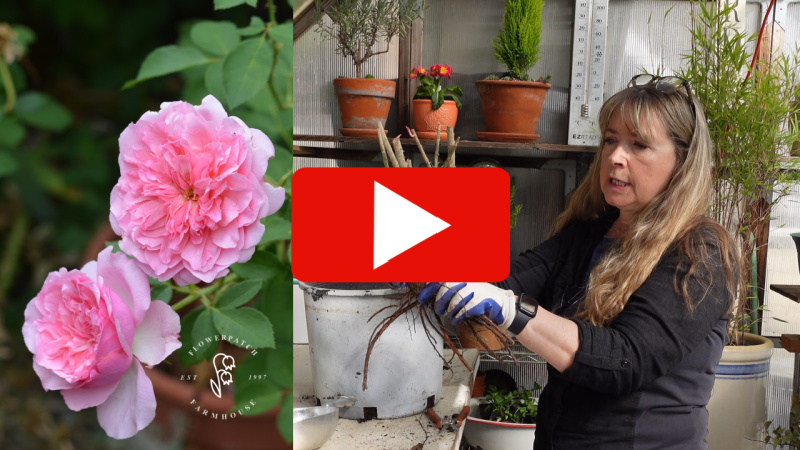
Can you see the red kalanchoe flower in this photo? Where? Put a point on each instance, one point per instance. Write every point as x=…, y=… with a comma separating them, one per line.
x=445, y=71
x=417, y=71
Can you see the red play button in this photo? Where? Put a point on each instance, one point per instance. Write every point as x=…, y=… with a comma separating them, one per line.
x=412, y=225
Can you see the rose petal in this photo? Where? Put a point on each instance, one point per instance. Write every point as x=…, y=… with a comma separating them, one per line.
x=275, y=199
x=82, y=398
x=50, y=381
x=29, y=331
x=131, y=407
x=157, y=335
x=125, y=278
x=90, y=269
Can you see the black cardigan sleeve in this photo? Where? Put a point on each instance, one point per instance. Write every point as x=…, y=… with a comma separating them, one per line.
x=654, y=331
x=532, y=272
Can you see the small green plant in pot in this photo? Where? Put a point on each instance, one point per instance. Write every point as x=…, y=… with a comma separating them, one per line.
x=362, y=29
x=512, y=103
x=506, y=420
x=518, y=406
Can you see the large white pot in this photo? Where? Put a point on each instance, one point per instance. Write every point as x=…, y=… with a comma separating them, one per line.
x=405, y=369
x=737, y=409
x=491, y=435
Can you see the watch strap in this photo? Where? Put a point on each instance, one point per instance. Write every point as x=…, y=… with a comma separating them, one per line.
x=527, y=308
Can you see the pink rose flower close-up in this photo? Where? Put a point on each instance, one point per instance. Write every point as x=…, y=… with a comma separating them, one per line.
x=191, y=192
x=90, y=331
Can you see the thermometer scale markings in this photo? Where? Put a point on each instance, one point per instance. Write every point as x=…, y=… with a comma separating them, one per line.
x=588, y=61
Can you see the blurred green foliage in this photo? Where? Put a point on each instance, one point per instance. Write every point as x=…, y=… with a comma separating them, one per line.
x=58, y=150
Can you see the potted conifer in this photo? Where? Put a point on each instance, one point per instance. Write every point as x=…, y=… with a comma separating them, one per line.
x=512, y=103
x=362, y=29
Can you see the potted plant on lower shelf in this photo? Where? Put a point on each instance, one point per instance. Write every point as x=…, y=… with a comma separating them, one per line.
x=747, y=100
x=503, y=419
x=362, y=29
x=435, y=105
x=512, y=103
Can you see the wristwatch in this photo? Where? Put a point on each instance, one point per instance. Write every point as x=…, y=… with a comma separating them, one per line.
x=526, y=310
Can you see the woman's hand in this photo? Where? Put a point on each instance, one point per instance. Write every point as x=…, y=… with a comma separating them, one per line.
x=463, y=300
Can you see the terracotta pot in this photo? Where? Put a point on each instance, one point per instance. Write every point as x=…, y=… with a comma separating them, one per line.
x=468, y=339
x=479, y=387
x=174, y=407
x=363, y=103
x=426, y=118
x=512, y=106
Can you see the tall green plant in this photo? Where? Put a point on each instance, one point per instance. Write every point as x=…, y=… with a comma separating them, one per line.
x=517, y=44
x=747, y=119
x=358, y=26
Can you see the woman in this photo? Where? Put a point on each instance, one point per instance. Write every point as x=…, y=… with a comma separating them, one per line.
x=636, y=284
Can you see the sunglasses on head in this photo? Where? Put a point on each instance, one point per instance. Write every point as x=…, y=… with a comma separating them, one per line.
x=666, y=85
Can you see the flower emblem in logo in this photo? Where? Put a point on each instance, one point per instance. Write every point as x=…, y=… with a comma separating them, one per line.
x=224, y=377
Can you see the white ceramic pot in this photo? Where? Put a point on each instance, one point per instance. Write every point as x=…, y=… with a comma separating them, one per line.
x=737, y=409
x=490, y=435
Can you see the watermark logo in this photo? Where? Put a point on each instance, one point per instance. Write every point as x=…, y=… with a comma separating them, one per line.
x=224, y=376
x=223, y=366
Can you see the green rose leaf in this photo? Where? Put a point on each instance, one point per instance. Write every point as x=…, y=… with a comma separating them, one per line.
x=256, y=27
x=261, y=266
x=281, y=164
x=282, y=33
x=282, y=80
x=254, y=399
x=168, y=59
x=277, y=229
x=163, y=293
x=253, y=385
x=217, y=38
x=285, y=418
x=246, y=70
x=274, y=304
x=41, y=111
x=279, y=366
x=214, y=84
x=225, y=4
x=8, y=164
x=245, y=324
x=197, y=327
x=11, y=132
x=239, y=294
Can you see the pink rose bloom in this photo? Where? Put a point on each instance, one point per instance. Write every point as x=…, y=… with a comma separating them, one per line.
x=191, y=192
x=90, y=330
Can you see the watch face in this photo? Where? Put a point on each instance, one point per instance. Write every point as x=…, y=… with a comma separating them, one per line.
x=528, y=305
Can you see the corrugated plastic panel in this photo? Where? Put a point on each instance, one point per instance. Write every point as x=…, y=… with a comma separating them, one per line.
x=460, y=33
x=316, y=64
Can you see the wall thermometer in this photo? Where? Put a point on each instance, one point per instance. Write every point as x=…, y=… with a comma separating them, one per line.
x=588, y=63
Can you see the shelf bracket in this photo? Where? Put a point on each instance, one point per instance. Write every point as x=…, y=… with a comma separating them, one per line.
x=568, y=166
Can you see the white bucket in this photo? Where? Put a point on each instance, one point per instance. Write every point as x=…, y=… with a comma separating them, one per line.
x=405, y=370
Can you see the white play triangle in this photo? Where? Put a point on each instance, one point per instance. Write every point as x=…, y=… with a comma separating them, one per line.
x=399, y=225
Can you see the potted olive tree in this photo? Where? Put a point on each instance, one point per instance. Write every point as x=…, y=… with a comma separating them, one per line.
x=747, y=107
x=362, y=29
x=512, y=103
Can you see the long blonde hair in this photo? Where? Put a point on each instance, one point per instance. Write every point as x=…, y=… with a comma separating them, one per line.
x=673, y=217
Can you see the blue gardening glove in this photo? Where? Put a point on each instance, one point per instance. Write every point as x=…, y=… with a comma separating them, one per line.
x=462, y=300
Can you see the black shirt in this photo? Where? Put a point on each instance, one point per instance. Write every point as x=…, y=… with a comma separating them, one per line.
x=644, y=380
